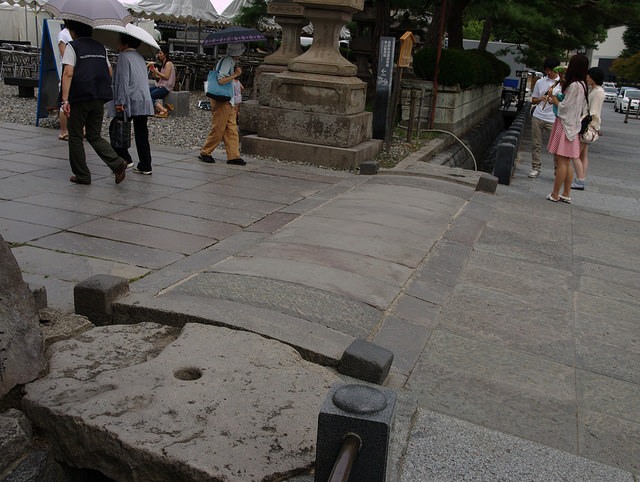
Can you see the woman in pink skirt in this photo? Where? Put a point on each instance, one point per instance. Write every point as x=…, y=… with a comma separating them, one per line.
x=564, y=141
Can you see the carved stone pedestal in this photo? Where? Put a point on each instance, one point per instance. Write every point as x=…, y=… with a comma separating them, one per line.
x=315, y=111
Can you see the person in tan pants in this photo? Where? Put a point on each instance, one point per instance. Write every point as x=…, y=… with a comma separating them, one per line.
x=542, y=117
x=223, y=114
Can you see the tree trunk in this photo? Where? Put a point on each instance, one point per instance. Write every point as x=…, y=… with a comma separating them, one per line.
x=454, y=23
x=433, y=34
x=486, y=33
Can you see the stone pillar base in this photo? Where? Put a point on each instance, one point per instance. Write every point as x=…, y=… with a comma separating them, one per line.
x=316, y=128
x=335, y=157
x=328, y=94
x=264, y=69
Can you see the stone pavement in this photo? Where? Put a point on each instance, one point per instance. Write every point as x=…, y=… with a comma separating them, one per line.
x=513, y=320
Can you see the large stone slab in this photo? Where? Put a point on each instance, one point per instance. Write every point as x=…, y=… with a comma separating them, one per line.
x=324, y=307
x=609, y=419
x=212, y=404
x=498, y=388
x=160, y=238
x=21, y=345
x=510, y=320
x=444, y=448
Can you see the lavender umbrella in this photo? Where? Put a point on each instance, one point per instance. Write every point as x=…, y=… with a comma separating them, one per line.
x=89, y=12
x=233, y=35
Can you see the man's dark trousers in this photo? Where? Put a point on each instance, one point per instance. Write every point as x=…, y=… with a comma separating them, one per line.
x=88, y=114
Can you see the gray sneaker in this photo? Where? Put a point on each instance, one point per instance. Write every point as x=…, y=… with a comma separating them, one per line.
x=578, y=184
x=534, y=173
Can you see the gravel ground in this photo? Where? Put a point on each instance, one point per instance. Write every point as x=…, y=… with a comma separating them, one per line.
x=187, y=132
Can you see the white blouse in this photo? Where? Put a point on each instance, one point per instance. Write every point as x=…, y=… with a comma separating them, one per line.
x=596, y=98
x=570, y=109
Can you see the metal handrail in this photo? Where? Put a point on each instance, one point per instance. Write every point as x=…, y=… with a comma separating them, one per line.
x=351, y=444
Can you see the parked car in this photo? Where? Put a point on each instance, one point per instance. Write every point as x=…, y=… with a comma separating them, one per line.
x=622, y=100
x=633, y=96
x=610, y=94
x=610, y=84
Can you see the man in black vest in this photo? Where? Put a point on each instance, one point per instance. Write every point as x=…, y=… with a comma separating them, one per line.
x=86, y=87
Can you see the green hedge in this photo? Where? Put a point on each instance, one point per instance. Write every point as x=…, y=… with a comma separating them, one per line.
x=464, y=67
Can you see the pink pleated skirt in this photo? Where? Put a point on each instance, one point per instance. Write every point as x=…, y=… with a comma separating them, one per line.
x=559, y=144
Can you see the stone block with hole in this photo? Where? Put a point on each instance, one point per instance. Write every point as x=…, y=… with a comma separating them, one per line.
x=179, y=101
x=153, y=402
x=94, y=297
x=366, y=361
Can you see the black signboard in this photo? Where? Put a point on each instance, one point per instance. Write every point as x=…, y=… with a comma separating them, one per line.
x=383, y=86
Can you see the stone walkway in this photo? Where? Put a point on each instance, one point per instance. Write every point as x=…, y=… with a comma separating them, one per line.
x=506, y=311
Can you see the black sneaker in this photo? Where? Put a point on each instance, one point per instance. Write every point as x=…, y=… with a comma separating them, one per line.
x=205, y=158
x=237, y=162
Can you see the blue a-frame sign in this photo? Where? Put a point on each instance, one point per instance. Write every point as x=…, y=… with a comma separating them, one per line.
x=50, y=69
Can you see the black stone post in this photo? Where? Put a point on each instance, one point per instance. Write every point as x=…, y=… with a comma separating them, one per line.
x=359, y=411
x=383, y=87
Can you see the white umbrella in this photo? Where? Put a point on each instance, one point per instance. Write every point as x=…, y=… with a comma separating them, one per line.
x=110, y=34
x=89, y=12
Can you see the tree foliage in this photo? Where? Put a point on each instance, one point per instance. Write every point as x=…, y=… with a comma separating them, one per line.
x=541, y=27
x=627, y=67
x=252, y=13
x=631, y=39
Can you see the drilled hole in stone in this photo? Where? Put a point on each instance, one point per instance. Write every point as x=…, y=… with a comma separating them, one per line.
x=189, y=373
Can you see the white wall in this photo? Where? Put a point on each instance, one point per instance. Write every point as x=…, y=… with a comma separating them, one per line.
x=610, y=48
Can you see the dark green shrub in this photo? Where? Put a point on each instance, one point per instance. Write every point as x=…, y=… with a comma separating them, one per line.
x=464, y=67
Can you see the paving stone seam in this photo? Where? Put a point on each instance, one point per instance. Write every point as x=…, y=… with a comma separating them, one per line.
x=415, y=275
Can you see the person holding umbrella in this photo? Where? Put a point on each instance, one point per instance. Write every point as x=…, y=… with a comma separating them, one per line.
x=223, y=114
x=132, y=99
x=86, y=86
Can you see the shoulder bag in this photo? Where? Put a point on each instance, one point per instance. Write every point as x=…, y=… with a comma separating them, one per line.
x=215, y=91
x=588, y=133
x=586, y=120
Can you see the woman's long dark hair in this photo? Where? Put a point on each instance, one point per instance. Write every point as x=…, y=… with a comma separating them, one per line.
x=577, y=70
x=165, y=51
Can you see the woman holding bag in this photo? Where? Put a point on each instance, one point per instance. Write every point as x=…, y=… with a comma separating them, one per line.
x=223, y=114
x=595, y=77
x=131, y=99
x=564, y=141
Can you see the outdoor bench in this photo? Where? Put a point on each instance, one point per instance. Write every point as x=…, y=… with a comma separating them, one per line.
x=25, y=85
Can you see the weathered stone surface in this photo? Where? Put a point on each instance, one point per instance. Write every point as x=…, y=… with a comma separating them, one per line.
x=15, y=439
x=58, y=326
x=337, y=157
x=21, y=348
x=343, y=131
x=322, y=94
x=39, y=466
x=323, y=57
x=213, y=404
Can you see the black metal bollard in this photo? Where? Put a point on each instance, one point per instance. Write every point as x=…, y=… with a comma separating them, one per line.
x=352, y=414
x=505, y=157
